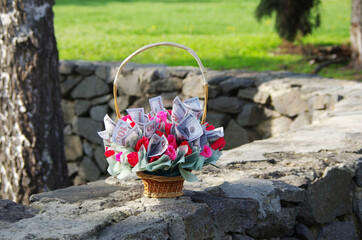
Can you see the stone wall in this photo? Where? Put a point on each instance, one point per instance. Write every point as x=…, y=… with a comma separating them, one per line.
x=303, y=184
x=249, y=105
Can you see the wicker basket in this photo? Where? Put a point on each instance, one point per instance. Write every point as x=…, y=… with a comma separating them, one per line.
x=161, y=186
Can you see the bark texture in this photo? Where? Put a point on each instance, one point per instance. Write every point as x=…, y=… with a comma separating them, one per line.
x=356, y=33
x=31, y=122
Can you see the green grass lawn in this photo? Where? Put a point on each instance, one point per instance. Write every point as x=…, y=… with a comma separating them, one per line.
x=223, y=33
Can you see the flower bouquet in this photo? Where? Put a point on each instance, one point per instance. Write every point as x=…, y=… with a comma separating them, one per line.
x=163, y=146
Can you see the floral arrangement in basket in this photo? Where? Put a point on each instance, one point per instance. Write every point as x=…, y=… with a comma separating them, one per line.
x=163, y=146
x=163, y=142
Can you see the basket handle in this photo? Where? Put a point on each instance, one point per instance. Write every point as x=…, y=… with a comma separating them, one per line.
x=201, y=66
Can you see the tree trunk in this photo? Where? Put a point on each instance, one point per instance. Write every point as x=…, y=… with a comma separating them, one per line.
x=31, y=123
x=356, y=33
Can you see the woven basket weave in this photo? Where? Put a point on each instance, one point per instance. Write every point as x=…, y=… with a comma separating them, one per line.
x=160, y=186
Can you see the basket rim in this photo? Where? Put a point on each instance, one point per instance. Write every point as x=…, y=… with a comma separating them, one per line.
x=143, y=175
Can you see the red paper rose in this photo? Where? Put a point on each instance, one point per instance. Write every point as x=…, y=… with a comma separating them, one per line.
x=159, y=133
x=209, y=127
x=143, y=141
x=168, y=128
x=218, y=144
x=109, y=153
x=132, y=158
x=189, y=151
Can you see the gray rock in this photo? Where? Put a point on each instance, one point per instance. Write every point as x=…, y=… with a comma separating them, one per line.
x=337, y=231
x=61, y=78
x=98, y=112
x=101, y=159
x=81, y=107
x=241, y=237
x=242, y=214
x=68, y=111
x=102, y=99
x=67, y=85
x=226, y=104
x=167, y=98
x=329, y=196
x=214, y=91
x=130, y=84
x=88, y=170
x=72, y=147
x=136, y=228
x=252, y=134
x=235, y=135
x=66, y=67
x=13, y=212
x=289, y=103
x=90, y=87
x=217, y=119
x=180, y=73
x=318, y=102
x=142, y=103
x=85, y=68
x=289, y=192
x=89, y=191
x=215, y=78
x=122, y=101
x=67, y=130
x=72, y=168
x=87, y=148
x=88, y=128
x=247, y=93
x=302, y=120
x=304, y=233
x=192, y=86
x=235, y=83
x=275, y=224
x=274, y=127
x=359, y=173
x=193, y=222
x=101, y=72
x=251, y=115
x=164, y=85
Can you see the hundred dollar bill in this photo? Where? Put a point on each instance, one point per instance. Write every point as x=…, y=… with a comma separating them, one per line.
x=150, y=128
x=131, y=138
x=178, y=110
x=137, y=114
x=156, y=104
x=194, y=107
x=215, y=134
x=190, y=128
x=120, y=132
x=157, y=145
x=109, y=124
x=104, y=135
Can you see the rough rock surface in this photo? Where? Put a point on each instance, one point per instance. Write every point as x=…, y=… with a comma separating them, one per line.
x=299, y=185
x=304, y=183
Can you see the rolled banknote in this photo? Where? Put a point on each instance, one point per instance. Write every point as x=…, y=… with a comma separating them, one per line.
x=120, y=132
x=178, y=110
x=190, y=128
x=194, y=107
x=109, y=124
x=150, y=128
x=157, y=145
x=215, y=134
x=156, y=104
x=137, y=114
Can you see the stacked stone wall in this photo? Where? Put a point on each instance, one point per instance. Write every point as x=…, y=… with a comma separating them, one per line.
x=245, y=103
